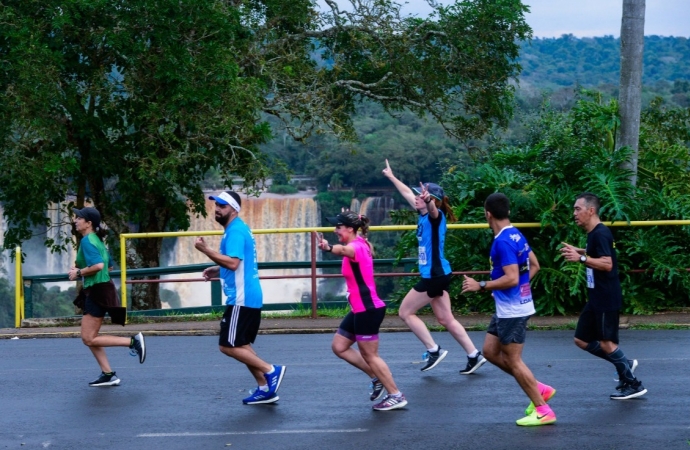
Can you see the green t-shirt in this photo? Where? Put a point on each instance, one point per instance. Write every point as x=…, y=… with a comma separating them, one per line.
x=92, y=251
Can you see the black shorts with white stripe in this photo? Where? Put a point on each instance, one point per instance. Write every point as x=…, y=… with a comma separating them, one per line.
x=239, y=326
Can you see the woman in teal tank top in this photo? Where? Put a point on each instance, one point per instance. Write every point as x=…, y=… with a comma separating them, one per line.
x=99, y=296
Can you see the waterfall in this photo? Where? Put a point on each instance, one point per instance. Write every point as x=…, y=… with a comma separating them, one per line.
x=6, y=268
x=61, y=220
x=267, y=211
x=375, y=208
x=39, y=259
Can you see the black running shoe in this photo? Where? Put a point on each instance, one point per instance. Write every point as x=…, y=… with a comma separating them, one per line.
x=138, y=347
x=629, y=390
x=433, y=358
x=376, y=389
x=105, y=380
x=473, y=364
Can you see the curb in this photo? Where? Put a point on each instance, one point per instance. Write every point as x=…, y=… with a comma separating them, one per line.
x=323, y=330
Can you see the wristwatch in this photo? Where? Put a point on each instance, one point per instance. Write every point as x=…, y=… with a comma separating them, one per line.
x=78, y=273
x=482, y=285
x=583, y=259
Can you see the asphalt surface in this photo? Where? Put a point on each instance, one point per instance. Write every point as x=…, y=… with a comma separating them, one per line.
x=188, y=396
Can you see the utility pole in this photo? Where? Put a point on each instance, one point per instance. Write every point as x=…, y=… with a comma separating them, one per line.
x=630, y=91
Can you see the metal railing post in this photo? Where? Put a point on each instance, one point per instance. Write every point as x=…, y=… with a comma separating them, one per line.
x=313, y=274
x=123, y=271
x=216, y=294
x=18, y=289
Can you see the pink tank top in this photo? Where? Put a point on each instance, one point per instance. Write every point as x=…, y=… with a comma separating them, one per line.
x=359, y=277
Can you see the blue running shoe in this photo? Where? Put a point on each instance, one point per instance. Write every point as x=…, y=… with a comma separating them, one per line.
x=274, y=379
x=259, y=397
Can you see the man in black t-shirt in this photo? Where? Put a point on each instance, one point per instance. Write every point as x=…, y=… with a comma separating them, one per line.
x=597, y=327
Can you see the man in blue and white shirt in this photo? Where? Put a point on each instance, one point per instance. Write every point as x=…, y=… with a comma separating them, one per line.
x=513, y=264
x=239, y=274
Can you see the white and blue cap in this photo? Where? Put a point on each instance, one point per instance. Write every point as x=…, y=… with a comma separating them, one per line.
x=434, y=190
x=228, y=198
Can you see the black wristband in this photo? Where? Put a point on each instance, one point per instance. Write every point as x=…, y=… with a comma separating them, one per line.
x=427, y=201
x=329, y=249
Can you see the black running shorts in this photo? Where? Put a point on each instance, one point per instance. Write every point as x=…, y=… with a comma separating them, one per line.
x=92, y=308
x=435, y=286
x=512, y=330
x=597, y=325
x=362, y=326
x=239, y=326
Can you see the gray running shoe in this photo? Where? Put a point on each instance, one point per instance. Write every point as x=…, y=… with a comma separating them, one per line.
x=433, y=358
x=633, y=365
x=473, y=364
x=138, y=347
x=390, y=402
x=377, y=389
x=105, y=380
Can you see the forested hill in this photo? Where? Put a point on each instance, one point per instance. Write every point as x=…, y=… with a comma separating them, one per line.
x=564, y=61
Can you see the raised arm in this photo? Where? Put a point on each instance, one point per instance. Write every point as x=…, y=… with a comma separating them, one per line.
x=404, y=190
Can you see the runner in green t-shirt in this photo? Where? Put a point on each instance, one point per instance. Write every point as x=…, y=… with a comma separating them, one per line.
x=99, y=295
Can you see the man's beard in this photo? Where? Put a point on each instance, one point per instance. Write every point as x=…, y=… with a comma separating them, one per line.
x=223, y=220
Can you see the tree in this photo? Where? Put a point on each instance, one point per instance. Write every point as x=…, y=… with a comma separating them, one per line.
x=128, y=104
x=630, y=97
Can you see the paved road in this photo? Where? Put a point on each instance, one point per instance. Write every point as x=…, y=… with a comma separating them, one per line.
x=188, y=396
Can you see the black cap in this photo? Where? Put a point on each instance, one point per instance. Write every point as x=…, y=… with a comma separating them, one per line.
x=90, y=215
x=347, y=218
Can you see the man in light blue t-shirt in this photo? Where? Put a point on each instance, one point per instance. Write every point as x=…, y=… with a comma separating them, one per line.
x=513, y=264
x=239, y=274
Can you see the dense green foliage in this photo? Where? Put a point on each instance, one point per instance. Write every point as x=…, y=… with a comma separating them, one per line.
x=567, y=153
x=415, y=146
x=6, y=303
x=564, y=61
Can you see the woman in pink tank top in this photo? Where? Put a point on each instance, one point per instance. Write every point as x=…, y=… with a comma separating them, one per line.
x=361, y=325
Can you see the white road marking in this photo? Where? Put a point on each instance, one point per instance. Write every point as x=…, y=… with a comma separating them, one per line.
x=239, y=433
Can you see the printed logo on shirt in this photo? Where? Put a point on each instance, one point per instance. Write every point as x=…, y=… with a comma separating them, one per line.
x=515, y=237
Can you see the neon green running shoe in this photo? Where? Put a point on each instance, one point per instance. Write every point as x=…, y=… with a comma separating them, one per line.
x=535, y=419
x=546, y=395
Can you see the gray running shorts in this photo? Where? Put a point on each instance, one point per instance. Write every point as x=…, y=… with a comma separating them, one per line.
x=509, y=331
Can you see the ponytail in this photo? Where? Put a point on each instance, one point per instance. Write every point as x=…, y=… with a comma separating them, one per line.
x=364, y=231
x=101, y=231
x=444, y=205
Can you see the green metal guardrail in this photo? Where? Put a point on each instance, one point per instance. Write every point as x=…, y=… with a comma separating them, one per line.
x=216, y=294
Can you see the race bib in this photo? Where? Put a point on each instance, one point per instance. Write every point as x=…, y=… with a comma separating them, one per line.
x=590, y=278
x=525, y=293
x=422, y=256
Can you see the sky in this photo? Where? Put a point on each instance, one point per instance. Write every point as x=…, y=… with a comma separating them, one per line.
x=588, y=18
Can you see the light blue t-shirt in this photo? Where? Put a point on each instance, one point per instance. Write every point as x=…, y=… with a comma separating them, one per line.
x=241, y=286
x=511, y=247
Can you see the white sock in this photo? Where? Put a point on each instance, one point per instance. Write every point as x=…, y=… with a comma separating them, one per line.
x=397, y=394
x=473, y=354
x=434, y=349
x=263, y=388
x=273, y=369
